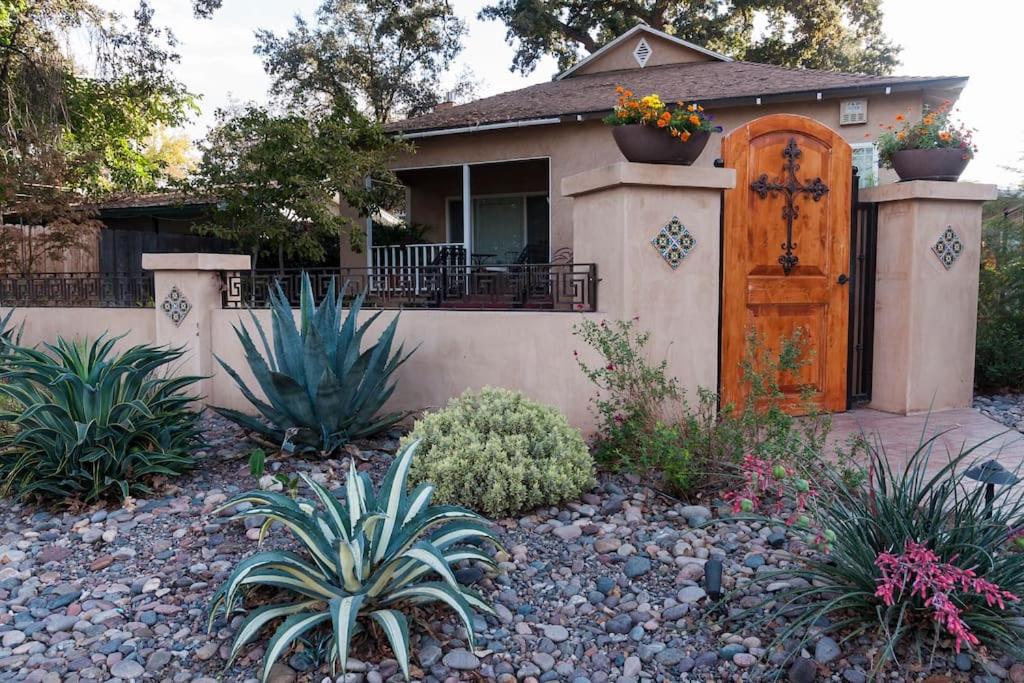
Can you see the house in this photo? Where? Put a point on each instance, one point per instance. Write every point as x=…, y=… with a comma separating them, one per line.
x=496, y=164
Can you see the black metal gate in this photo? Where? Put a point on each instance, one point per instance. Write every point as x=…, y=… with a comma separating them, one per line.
x=863, y=241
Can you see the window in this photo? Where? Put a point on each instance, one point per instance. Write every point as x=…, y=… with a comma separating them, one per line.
x=865, y=158
x=505, y=227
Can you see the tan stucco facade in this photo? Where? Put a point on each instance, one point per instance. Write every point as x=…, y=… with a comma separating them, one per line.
x=572, y=148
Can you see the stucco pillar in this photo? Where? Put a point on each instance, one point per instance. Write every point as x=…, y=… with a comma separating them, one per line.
x=926, y=294
x=188, y=288
x=617, y=211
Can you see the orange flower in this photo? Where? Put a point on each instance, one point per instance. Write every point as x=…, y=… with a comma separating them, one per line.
x=945, y=136
x=694, y=119
x=662, y=123
x=700, y=108
x=901, y=135
x=619, y=89
x=692, y=107
x=900, y=117
x=684, y=135
x=929, y=120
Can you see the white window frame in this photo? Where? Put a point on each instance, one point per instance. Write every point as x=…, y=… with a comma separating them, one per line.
x=874, y=160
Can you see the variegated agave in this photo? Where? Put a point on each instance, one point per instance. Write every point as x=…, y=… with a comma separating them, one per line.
x=370, y=557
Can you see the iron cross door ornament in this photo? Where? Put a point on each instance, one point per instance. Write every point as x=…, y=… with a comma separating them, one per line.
x=789, y=184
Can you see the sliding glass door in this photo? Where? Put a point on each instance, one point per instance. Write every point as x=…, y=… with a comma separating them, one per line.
x=503, y=226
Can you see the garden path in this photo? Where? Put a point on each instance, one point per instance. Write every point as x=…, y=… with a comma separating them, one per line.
x=901, y=435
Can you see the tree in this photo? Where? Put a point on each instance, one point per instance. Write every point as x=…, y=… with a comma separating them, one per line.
x=386, y=58
x=276, y=178
x=72, y=129
x=841, y=35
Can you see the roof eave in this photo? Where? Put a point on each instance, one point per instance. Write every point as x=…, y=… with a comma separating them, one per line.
x=742, y=100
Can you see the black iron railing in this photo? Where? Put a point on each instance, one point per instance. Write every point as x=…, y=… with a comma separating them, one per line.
x=511, y=287
x=81, y=290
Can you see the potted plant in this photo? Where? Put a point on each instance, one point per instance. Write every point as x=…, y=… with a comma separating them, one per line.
x=648, y=131
x=934, y=148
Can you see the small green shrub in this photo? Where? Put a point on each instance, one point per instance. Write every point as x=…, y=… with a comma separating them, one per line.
x=646, y=424
x=367, y=563
x=999, y=360
x=323, y=389
x=90, y=423
x=499, y=452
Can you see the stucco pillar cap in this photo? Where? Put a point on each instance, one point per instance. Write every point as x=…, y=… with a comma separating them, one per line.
x=650, y=175
x=929, y=189
x=195, y=261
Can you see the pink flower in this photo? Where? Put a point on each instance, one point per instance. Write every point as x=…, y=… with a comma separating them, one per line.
x=919, y=570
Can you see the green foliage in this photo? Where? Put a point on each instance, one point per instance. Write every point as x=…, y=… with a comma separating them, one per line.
x=839, y=35
x=499, y=452
x=647, y=425
x=90, y=423
x=277, y=178
x=366, y=564
x=999, y=360
x=387, y=58
x=10, y=336
x=935, y=130
x=937, y=507
x=322, y=389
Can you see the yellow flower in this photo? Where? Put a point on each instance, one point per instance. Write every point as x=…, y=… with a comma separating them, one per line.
x=692, y=107
x=652, y=101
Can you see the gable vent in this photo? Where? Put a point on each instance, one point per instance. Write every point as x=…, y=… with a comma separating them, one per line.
x=642, y=52
x=853, y=111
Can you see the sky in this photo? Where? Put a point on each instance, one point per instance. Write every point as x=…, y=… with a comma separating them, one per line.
x=939, y=38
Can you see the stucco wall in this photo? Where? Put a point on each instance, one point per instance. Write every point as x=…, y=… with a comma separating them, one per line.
x=457, y=350
x=45, y=324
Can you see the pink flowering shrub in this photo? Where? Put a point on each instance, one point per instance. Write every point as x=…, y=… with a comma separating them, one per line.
x=913, y=555
x=919, y=572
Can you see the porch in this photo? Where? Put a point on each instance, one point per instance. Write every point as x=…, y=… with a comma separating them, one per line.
x=473, y=236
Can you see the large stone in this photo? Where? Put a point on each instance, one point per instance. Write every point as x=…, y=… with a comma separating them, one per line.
x=127, y=669
x=620, y=624
x=555, y=633
x=691, y=594
x=636, y=566
x=803, y=671
x=826, y=650
x=568, y=533
x=461, y=660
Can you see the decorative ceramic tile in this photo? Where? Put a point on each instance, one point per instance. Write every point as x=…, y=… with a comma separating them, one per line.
x=176, y=306
x=948, y=247
x=674, y=242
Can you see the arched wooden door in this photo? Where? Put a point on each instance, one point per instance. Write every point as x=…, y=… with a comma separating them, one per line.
x=786, y=253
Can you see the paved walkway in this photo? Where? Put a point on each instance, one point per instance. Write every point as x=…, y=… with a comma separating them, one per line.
x=901, y=434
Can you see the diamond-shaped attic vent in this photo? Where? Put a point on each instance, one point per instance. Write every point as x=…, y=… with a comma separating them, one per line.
x=642, y=52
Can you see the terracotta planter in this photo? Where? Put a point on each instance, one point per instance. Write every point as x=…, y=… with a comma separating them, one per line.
x=929, y=164
x=652, y=145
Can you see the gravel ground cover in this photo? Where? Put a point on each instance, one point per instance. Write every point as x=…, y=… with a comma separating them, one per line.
x=609, y=588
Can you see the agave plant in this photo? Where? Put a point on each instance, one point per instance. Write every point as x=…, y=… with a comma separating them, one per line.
x=944, y=519
x=9, y=335
x=91, y=423
x=371, y=557
x=321, y=389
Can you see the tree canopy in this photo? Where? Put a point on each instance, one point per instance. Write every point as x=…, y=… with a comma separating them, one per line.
x=386, y=58
x=80, y=90
x=841, y=35
x=277, y=176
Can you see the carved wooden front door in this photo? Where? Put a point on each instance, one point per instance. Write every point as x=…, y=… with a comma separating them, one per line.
x=785, y=250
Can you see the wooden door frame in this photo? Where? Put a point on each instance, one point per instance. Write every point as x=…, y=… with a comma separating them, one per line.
x=731, y=147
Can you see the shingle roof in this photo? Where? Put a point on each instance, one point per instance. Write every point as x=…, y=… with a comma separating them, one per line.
x=712, y=82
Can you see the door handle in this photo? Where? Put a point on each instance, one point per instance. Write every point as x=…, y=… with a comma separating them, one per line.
x=842, y=279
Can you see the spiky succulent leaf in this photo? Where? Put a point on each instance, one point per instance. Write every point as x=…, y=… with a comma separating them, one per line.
x=91, y=422
x=387, y=550
x=316, y=378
